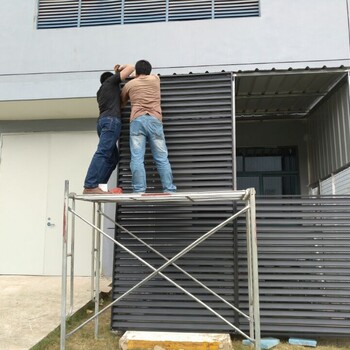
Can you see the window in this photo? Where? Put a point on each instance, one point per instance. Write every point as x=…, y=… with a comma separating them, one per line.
x=271, y=171
x=82, y=13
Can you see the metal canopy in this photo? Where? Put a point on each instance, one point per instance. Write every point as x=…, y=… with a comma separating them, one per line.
x=283, y=93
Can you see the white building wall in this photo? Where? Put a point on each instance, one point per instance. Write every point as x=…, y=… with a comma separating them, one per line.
x=45, y=73
x=60, y=63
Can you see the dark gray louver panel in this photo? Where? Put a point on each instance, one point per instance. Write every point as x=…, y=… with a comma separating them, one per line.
x=82, y=13
x=198, y=129
x=197, y=119
x=304, y=266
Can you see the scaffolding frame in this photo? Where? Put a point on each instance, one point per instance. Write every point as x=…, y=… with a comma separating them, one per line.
x=69, y=212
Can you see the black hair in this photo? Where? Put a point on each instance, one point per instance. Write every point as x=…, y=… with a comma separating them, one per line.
x=143, y=67
x=105, y=76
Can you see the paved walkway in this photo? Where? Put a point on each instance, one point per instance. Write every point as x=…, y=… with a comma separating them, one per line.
x=30, y=307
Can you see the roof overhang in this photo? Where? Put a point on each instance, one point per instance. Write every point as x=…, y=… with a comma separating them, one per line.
x=260, y=94
x=67, y=108
x=291, y=93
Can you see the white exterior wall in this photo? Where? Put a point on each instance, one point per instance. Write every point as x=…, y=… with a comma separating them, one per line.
x=295, y=33
x=53, y=74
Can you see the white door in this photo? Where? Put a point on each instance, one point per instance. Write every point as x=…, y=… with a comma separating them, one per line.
x=33, y=168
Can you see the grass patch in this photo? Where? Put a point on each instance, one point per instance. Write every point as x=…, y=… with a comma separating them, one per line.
x=84, y=339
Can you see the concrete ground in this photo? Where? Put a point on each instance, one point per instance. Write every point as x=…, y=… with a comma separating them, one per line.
x=30, y=307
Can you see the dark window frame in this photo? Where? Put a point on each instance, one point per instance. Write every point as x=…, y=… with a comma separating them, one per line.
x=283, y=174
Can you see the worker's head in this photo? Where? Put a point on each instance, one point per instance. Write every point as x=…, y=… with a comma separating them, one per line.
x=143, y=67
x=104, y=76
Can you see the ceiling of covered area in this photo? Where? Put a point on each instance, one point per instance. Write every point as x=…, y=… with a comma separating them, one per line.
x=67, y=108
x=290, y=93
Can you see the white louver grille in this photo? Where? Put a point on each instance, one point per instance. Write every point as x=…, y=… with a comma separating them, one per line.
x=144, y=11
x=58, y=14
x=241, y=8
x=84, y=13
x=180, y=10
x=100, y=12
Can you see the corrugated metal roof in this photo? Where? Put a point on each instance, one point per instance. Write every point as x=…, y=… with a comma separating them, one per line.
x=275, y=93
x=286, y=93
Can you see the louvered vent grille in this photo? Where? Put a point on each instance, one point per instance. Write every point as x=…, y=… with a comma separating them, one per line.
x=303, y=242
x=304, y=266
x=144, y=11
x=58, y=14
x=198, y=129
x=229, y=9
x=197, y=121
x=96, y=13
x=82, y=13
x=180, y=10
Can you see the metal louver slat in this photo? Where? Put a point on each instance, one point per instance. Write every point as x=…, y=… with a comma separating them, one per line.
x=236, y=8
x=100, y=12
x=58, y=14
x=138, y=11
x=184, y=9
x=199, y=140
x=205, y=127
x=83, y=13
x=303, y=242
x=304, y=274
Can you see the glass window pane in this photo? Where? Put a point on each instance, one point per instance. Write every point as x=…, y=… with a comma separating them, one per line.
x=273, y=163
x=239, y=162
x=248, y=182
x=272, y=185
x=290, y=163
x=290, y=184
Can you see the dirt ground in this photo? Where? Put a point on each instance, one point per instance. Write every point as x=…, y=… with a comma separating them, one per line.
x=84, y=338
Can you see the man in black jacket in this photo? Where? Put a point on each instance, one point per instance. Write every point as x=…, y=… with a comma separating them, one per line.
x=106, y=157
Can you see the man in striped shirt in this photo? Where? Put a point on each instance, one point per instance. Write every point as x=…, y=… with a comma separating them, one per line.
x=146, y=125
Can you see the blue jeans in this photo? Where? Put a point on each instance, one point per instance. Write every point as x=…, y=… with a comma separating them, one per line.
x=142, y=129
x=106, y=156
